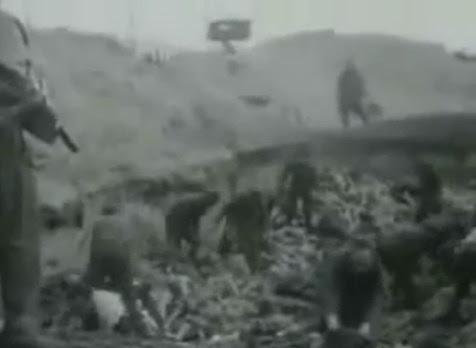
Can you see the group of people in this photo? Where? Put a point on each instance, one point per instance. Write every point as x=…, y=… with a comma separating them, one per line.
x=354, y=296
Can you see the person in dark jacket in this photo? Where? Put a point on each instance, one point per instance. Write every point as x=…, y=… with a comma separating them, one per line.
x=351, y=91
x=246, y=218
x=299, y=180
x=354, y=290
x=182, y=221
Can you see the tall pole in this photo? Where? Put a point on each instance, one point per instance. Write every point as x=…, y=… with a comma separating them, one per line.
x=27, y=13
x=132, y=23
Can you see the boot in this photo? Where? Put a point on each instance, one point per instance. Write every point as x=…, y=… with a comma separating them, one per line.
x=20, y=283
x=21, y=326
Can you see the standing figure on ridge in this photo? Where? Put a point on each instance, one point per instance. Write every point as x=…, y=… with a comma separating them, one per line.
x=351, y=94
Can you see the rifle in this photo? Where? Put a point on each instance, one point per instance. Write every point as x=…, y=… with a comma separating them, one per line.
x=21, y=95
x=67, y=140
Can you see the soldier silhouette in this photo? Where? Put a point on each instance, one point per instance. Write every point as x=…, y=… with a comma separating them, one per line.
x=351, y=94
x=22, y=108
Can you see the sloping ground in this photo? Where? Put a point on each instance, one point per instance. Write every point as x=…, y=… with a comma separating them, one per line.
x=446, y=139
x=448, y=134
x=404, y=76
x=447, y=128
x=123, y=112
x=133, y=119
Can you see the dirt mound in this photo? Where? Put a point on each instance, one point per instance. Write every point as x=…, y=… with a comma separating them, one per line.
x=129, y=116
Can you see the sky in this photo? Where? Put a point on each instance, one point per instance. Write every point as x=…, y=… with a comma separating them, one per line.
x=183, y=22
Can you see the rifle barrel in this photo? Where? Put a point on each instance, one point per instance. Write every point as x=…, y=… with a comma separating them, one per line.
x=69, y=143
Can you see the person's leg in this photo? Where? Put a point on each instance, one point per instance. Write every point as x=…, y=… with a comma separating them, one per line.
x=123, y=282
x=20, y=268
x=358, y=109
x=344, y=112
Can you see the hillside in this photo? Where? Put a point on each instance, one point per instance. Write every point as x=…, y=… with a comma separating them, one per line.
x=405, y=76
x=130, y=117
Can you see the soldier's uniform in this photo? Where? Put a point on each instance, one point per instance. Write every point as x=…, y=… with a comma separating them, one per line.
x=183, y=220
x=19, y=234
x=245, y=225
x=351, y=92
x=112, y=261
x=300, y=179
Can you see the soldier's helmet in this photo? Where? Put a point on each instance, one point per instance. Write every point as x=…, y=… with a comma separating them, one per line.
x=15, y=52
x=14, y=43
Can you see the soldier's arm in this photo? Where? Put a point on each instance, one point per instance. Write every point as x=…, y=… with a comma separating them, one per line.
x=49, y=129
x=12, y=114
x=28, y=106
x=41, y=120
x=19, y=84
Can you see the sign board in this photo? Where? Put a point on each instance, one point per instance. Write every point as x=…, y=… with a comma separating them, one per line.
x=229, y=30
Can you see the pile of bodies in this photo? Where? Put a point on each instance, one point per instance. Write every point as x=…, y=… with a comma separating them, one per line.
x=355, y=249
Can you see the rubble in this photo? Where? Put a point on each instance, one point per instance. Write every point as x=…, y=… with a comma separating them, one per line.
x=224, y=308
